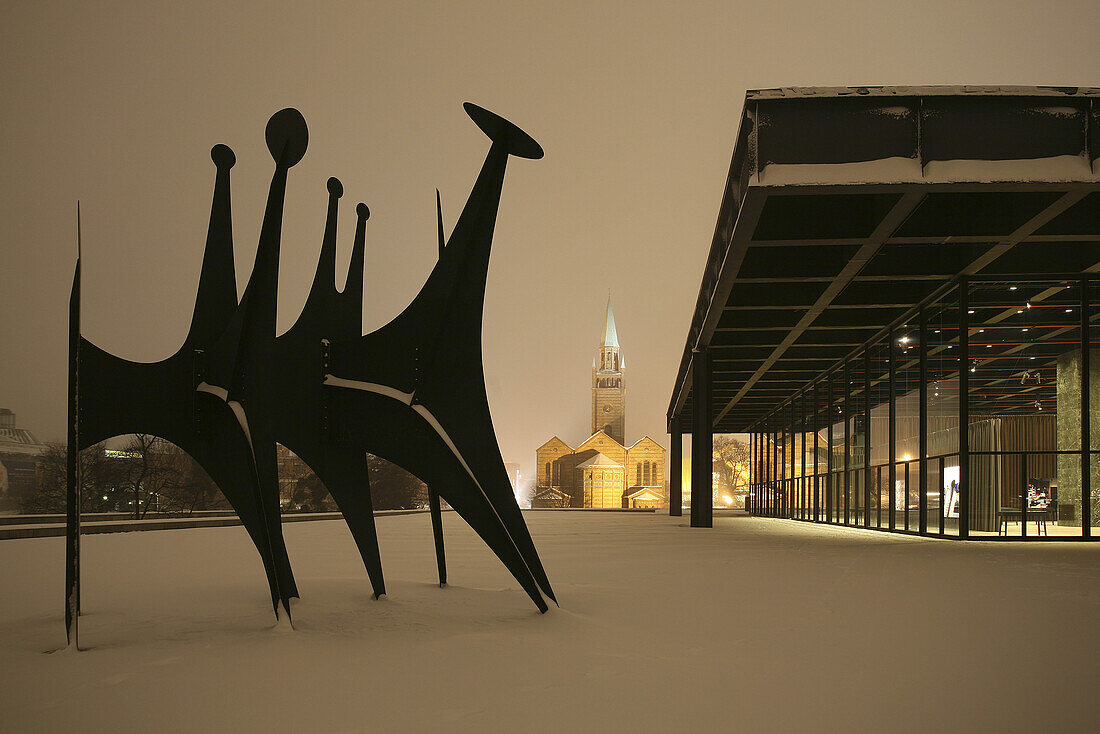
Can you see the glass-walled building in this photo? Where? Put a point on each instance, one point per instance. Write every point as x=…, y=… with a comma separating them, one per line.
x=875, y=440
x=900, y=308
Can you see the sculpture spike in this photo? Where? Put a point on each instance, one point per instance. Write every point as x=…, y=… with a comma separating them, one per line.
x=324, y=282
x=351, y=298
x=72, y=460
x=216, y=297
x=439, y=221
x=287, y=138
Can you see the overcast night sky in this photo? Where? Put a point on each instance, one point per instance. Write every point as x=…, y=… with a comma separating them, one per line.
x=635, y=104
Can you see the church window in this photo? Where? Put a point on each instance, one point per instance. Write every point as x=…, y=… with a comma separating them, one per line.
x=557, y=474
x=639, y=472
x=548, y=472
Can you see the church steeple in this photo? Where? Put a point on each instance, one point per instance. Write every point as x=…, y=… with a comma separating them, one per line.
x=608, y=390
x=610, y=337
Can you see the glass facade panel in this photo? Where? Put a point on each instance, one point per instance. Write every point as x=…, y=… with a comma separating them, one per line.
x=836, y=440
x=878, y=361
x=943, y=360
x=1024, y=407
x=907, y=381
x=876, y=442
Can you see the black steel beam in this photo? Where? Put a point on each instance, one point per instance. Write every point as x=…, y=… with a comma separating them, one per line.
x=829, y=455
x=893, y=438
x=964, y=408
x=922, y=441
x=902, y=209
x=866, y=438
x=676, y=473
x=1086, y=409
x=702, y=443
x=847, y=412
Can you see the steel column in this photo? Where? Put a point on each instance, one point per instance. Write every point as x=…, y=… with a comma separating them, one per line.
x=964, y=408
x=791, y=491
x=846, y=410
x=892, y=476
x=943, y=510
x=803, y=489
x=922, y=500
x=754, y=468
x=829, y=455
x=702, y=441
x=773, y=456
x=866, y=438
x=1086, y=407
x=676, y=471
x=817, y=468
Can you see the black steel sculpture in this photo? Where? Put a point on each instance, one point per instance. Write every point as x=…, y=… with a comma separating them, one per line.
x=412, y=392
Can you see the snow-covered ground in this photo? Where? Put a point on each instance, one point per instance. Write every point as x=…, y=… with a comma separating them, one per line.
x=756, y=625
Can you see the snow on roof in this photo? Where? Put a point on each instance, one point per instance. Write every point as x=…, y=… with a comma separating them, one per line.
x=601, y=433
x=543, y=491
x=555, y=441
x=1054, y=169
x=599, y=461
x=19, y=441
x=645, y=438
x=921, y=91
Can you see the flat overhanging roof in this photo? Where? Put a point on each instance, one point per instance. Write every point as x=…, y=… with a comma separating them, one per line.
x=844, y=208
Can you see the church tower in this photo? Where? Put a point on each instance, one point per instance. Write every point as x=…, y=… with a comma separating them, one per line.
x=608, y=390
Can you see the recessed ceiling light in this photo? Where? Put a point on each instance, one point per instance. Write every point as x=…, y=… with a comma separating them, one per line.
x=1012, y=287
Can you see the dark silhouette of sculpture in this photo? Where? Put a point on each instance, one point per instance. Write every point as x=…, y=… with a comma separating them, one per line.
x=412, y=392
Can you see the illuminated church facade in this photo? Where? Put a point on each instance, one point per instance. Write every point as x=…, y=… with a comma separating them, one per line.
x=602, y=472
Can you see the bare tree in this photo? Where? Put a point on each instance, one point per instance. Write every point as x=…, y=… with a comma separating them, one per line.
x=311, y=495
x=151, y=469
x=731, y=469
x=193, y=490
x=99, y=481
x=393, y=488
x=555, y=498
